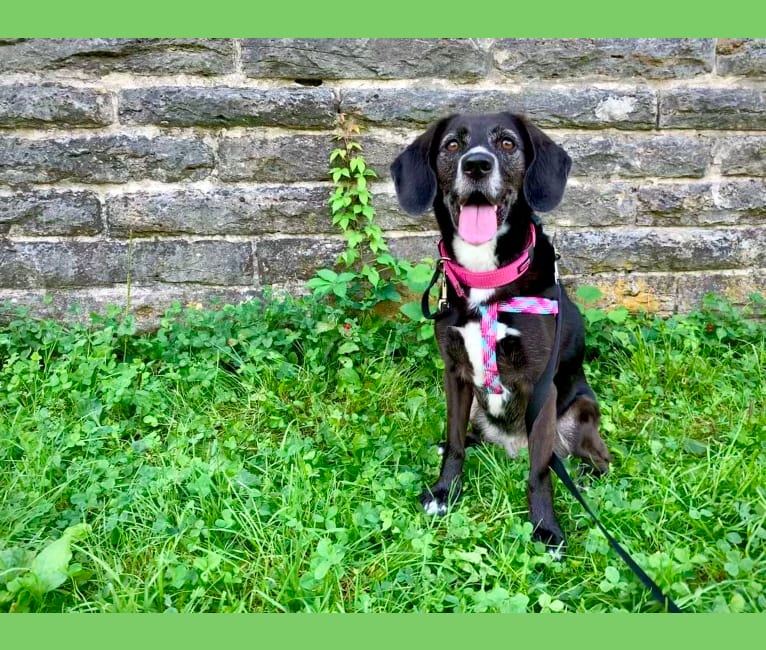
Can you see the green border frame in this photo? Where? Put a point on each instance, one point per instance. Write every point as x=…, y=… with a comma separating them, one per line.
x=384, y=18
x=389, y=18
x=384, y=631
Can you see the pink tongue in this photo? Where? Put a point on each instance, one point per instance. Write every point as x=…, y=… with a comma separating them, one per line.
x=477, y=224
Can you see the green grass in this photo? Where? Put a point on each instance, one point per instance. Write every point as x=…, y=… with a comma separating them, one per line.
x=268, y=457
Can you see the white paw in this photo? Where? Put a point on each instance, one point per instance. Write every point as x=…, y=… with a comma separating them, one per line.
x=435, y=507
x=556, y=553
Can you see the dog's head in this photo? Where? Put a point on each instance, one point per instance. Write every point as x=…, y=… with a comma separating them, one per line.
x=480, y=169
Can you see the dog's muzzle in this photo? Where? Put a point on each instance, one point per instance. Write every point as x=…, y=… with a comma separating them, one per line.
x=477, y=165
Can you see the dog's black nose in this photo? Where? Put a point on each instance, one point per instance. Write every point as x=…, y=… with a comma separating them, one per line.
x=477, y=164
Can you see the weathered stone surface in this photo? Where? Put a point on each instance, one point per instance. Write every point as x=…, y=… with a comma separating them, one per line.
x=741, y=56
x=147, y=304
x=415, y=247
x=380, y=149
x=26, y=105
x=301, y=108
x=279, y=159
x=364, y=58
x=162, y=56
x=712, y=108
x=653, y=58
x=652, y=292
x=222, y=211
x=740, y=201
x=691, y=288
x=637, y=156
x=290, y=259
x=741, y=155
x=747, y=195
x=212, y=262
x=552, y=106
x=667, y=198
x=668, y=293
x=593, y=204
x=390, y=217
x=661, y=249
x=104, y=159
x=27, y=264
x=678, y=204
x=50, y=213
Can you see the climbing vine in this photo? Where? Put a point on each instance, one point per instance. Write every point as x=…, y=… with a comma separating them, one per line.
x=366, y=272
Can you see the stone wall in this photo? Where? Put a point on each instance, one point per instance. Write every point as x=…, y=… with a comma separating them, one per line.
x=196, y=169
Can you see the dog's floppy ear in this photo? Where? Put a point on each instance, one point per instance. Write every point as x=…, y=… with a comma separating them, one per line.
x=547, y=171
x=413, y=172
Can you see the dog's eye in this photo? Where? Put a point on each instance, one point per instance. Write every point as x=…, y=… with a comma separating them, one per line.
x=452, y=145
x=507, y=144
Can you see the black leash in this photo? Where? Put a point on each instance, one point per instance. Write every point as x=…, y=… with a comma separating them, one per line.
x=536, y=402
x=561, y=471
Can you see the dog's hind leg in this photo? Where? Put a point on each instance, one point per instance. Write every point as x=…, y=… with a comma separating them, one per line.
x=577, y=431
x=540, y=486
x=447, y=488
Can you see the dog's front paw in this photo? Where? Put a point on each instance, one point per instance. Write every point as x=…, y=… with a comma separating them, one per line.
x=436, y=501
x=553, y=538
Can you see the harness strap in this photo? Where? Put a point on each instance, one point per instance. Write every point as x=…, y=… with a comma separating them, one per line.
x=460, y=277
x=489, y=326
x=540, y=391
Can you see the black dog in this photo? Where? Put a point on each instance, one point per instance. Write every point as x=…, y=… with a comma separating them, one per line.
x=485, y=177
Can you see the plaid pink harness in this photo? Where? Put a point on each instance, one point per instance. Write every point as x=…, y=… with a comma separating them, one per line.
x=459, y=276
x=489, y=322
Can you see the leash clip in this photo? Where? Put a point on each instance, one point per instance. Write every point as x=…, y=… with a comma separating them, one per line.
x=442, y=304
x=556, y=258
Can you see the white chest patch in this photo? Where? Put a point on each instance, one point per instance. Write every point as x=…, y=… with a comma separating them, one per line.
x=475, y=257
x=478, y=297
x=471, y=333
x=503, y=331
x=478, y=258
x=511, y=440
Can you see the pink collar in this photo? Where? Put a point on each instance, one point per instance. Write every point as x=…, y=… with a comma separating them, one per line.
x=460, y=277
